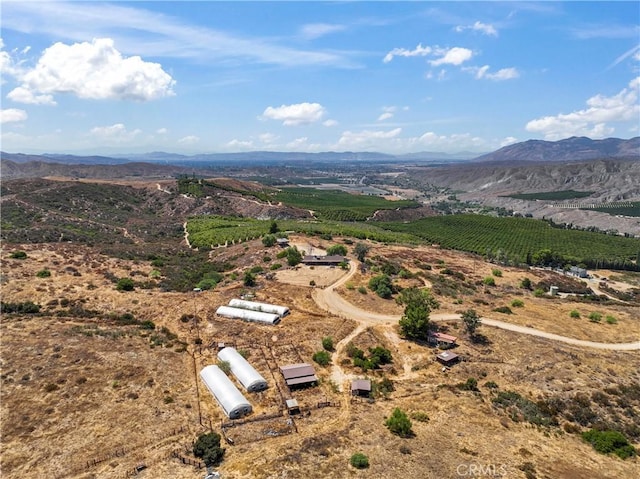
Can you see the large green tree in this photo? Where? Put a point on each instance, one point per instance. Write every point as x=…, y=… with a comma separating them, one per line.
x=207, y=448
x=471, y=321
x=361, y=250
x=419, y=303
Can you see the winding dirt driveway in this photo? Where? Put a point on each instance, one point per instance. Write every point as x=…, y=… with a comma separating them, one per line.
x=329, y=300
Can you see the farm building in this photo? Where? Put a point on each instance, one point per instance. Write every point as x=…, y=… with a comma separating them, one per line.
x=448, y=358
x=242, y=370
x=333, y=260
x=579, y=272
x=361, y=387
x=226, y=393
x=441, y=338
x=282, y=242
x=301, y=374
x=248, y=315
x=281, y=311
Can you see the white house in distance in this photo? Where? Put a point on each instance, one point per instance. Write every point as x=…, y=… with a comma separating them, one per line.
x=242, y=370
x=248, y=315
x=281, y=311
x=230, y=399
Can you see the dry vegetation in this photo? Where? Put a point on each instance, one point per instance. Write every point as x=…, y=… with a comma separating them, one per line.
x=84, y=394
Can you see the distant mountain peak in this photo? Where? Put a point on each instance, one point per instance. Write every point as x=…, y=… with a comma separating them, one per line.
x=575, y=148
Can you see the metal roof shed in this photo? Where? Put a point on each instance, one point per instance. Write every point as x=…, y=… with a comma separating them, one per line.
x=242, y=370
x=281, y=311
x=248, y=315
x=226, y=393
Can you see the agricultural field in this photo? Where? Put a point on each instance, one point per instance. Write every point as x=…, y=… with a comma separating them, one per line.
x=551, y=195
x=519, y=237
x=624, y=209
x=351, y=207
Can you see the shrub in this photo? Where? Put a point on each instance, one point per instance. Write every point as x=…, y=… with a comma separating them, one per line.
x=44, y=273
x=470, y=384
x=610, y=319
x=266, y=258
x=337, y=249
x=607, y=442
x=18, y=255
x=51, y=387
x=381, y=285
x=359, y=461
x=312, y=282
x=256, y=269
x=517, y=303
x=275, y=266
x=125, y=284
x=538, y=293
x=491, y=385
x=595, y=317
x=207, y=447
x=27, y=307
x=574, y=314
x=269, y=240
x=327, y=343
x=420, y=416
x=489, y=281
x=399, y=423
x=224, y=366
x=496, y=272
x=503, y=309
x=249, y=279
x=148, y=325
x=349, y=285
x=323, y=358
x=525, y=283
x=362, y=290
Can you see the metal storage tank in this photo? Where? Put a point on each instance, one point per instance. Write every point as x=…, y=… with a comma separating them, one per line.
x=248, y=315
x=281, y=311
x=226, y=393
x=242, y=370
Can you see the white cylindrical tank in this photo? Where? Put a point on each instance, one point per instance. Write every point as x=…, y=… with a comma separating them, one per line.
x=230, y=399
x=248, y=315
x=242, y=370
x=281, y=311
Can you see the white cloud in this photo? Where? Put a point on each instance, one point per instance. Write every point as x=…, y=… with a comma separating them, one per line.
x=484, y=28
x=452, y=56
x=240, y=144
x=387, y=113
x=10, y=115
x=418, y=51
x=162, y=131
x=592, y=121
x=298, y=143
x=329, y=123
x=366, y=138
x=95, y=70
x=116, y=133
x=454, y=142
x=24, y=95
x=268, y=138
x=633, y=52
x=296, y=114
x=189, y=140
x=502, y=74
x=509, y=140
x=637, y=56
x=312, y=31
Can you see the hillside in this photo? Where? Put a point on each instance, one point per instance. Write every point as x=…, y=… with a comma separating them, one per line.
x=570, y=149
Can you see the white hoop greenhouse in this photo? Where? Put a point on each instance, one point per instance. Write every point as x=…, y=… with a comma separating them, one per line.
x=248, y=315
x=230, y=399
x=281, y=311
x=242, y=370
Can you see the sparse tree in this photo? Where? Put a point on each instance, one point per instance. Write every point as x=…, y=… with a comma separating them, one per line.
x=360, y=250
x=273, y=228
x=471, y=321
x=399, y=423
x=337, y=249
x=249, y=279
x=414, y=323
x=207, y=448
x=294, y=256
x=268, y=240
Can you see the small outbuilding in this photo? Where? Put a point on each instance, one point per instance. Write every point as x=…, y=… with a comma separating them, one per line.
x=361, y=387
x=230, y=399
x=299, y=375
x=242, y=370
x=282, y=242
x=281, y=311
x=292, y=406
x=248, y=315
x=448, y=358
x=442, y=338
x=331, y=260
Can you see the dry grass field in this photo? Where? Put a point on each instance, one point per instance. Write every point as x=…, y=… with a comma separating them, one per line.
x=86, y=393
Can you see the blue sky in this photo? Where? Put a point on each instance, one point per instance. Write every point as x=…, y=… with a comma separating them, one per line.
x=393, y=77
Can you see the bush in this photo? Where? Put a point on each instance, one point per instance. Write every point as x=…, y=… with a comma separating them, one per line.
x=327, y=343
x=125, y=284
x=44, y=273
x=224, y=366
x=517, y=303
x=399, y=423
x=27, y=307
x=266, y=258
x=607, y=442
x=503, y=309
x=381, y=285
x=574, y=314
x=148, y=325
x=525, y=283
x=489, y=281
x=18, y=255
x=496, y=272
x=420, y=416
x=359, y=461
x=337, y=249
x=323, y=358
x=362, y=290
x=275, y=266
x=269, y=240
x=538, y=293
x=470, y=384
x=249, y=279
x=207, y=447
x=491, y=385
x=610, y=319
x=595, y=317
